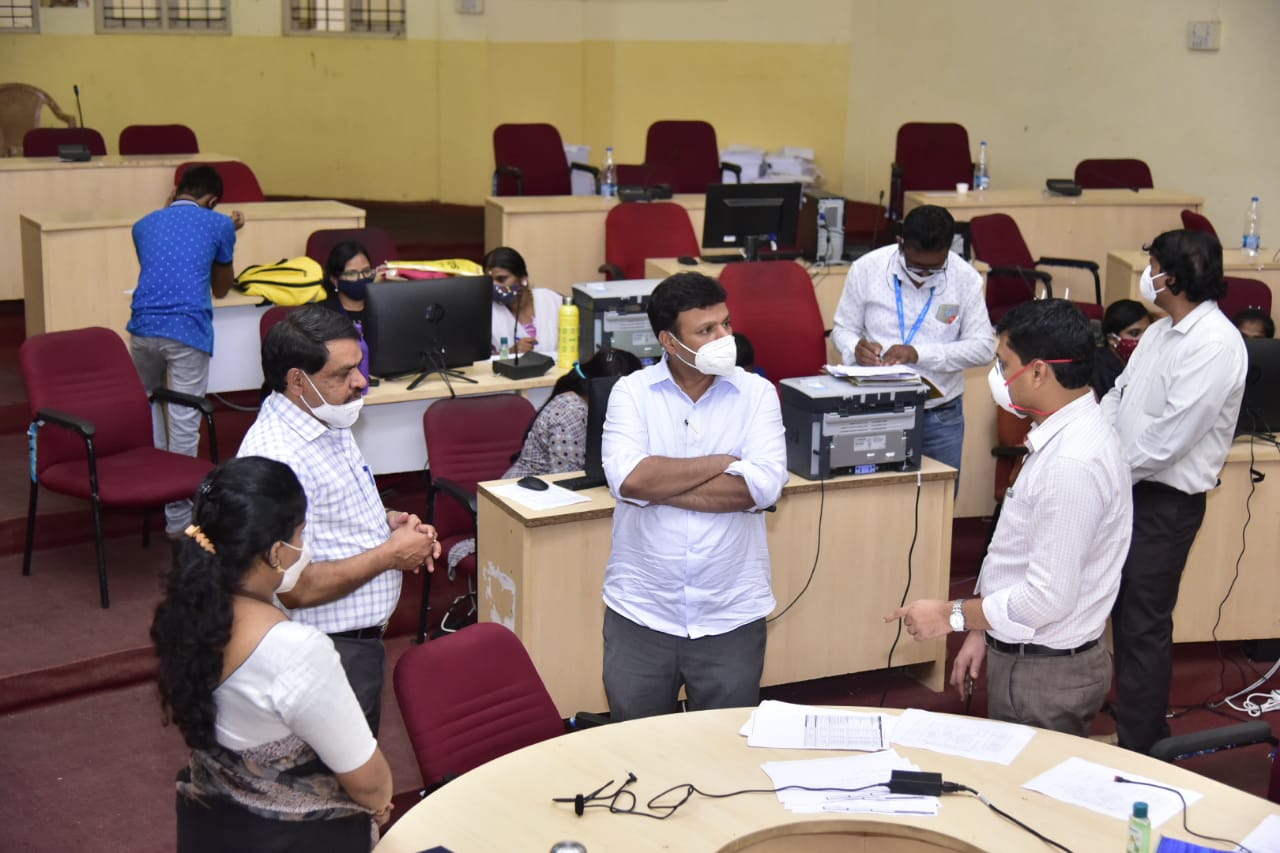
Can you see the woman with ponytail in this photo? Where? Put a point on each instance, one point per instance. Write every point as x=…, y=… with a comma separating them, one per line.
x=281, y=756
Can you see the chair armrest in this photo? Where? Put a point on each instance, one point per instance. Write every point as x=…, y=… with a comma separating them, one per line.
x=458, y=492
x=1026, y=275
x=734, y=168
x=1011, y=451
x=510, y=172
x=66, y=421
x=1076, y=263
x=191, y=401
x=612, y=271
x=593, y=171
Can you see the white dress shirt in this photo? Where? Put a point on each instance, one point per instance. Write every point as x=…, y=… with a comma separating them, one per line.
x=686, y=573
x=345, y=516
x=954, y=334
x=1176, y=403
x=546, y=318
x=1053, y=568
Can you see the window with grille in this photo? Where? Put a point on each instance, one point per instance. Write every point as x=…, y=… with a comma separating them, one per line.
x=19, y=16
x=164, y=15
x=345, y=17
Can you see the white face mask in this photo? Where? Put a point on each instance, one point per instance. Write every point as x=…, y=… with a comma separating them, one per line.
x=1147, y=285
x=714, y=358
x=291, y=574
x=1000, y=392
x=337, y=417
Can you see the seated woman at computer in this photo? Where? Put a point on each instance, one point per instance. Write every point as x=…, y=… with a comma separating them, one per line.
x=347, y=276
x=557, y=438
x=1122, y=326
x=528, y=317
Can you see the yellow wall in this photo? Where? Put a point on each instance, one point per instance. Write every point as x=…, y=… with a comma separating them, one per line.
x=1045, y=83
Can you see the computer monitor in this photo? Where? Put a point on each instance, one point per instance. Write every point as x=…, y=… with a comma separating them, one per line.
x=743, y=216
x=427, y=325
x=598, y=390
x=1260, y=409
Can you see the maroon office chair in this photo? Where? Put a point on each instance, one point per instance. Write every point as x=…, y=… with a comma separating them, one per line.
x=44, y=141
x=1193, y=221
x=470, y=697
x=1244, y=293
x=84, y=383
x=1119, y=173
x=682, y=154
x=142, y=139
x=239, y=184
x=998, y=242
x=469, y=439
x=637, y=231
x=378, y=242
x=928, y=156
x=529, y=159
x=773, y=304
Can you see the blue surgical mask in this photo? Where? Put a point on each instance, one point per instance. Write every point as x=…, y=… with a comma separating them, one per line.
x=357, y=289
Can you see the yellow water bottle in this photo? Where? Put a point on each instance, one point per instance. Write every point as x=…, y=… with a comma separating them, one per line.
x=567, y=350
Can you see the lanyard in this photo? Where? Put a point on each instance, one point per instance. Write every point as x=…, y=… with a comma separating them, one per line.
x=902, y=323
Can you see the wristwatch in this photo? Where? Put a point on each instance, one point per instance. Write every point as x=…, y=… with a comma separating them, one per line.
x=957, y=615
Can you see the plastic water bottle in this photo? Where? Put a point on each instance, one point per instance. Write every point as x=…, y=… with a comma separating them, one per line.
x=567, y=345
x=1251, y=241
x=981, y=177
x=1139, y=830
x=609, y=175
x=504, y=348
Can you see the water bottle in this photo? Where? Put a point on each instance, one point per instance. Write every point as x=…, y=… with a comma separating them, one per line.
x=504, y=348
x=567, y=345
x=1251, y=240
x=609, y=175
x=1139, y=830
x=981, y=177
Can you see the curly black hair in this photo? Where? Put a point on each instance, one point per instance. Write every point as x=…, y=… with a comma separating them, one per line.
x=242, y=508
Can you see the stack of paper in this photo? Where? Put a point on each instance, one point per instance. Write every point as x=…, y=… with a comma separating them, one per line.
x=846, y=773
x=791, y=163
x=751, y=160
x=781, y=725
x=896, y=374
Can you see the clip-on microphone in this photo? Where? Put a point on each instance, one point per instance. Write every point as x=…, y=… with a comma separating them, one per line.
x=580, y=801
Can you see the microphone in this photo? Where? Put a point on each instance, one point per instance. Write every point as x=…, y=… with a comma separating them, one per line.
x=515, y=338
x=75, y=87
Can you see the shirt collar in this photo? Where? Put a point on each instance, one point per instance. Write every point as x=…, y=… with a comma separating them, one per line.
x=661, y=372
x=1204, y=309
x=294, y=417
x=1042, y=433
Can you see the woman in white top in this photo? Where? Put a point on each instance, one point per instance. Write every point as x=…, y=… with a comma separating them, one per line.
x=528, y=317
x=281, y=756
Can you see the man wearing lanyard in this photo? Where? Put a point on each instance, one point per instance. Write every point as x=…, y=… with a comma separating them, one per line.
x=919, y=303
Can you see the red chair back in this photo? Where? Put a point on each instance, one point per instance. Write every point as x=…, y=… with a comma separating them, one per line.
x=471, y=697
x=1196, y=222
x=1244, y=293
x=998, y=242
x=378, y=242
x=140, y=139
x=44, y=141
x=269, y=319
x=930, y=156
x=538, y=152
x=1118, y=173
x=773, y=304
x=239, y=184
x=683, y=154
x=87, y=373
x=637, y=231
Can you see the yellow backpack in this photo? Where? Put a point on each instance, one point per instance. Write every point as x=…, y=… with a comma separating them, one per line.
x=290, y=281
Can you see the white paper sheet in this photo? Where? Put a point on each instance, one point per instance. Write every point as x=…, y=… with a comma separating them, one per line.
x=1265, y=837
x=848, y=772
x=877, y=373
x=982, y=740
x=553, y=498
x=1093, y=786
x=780, y=725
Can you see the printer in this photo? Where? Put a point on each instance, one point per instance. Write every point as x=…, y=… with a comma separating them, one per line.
x=834, y=427
x=616, y=314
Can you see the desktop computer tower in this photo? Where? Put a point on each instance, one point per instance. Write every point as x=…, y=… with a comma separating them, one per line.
x=822, y=226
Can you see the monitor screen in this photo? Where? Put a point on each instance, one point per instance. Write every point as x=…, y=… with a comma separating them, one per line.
x=1260, y=409
x=411, y=326
x=738, y=215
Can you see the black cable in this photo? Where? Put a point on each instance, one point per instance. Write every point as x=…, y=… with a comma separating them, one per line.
x=1235, y=844
x=822, y=503
x=1004, y=814
x=915, y=532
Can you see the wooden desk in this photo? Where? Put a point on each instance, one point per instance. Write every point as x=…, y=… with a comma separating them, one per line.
x=47, y=185
x=1085, y=227
x=1124, y=268
x=541, y=575
x=506, y=804
x=561, y=237
x=828, y=281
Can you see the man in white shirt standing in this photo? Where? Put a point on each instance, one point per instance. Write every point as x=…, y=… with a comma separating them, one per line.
x=919, y=303
x=1175, y=408
x=1053, y=566
x=694, y=451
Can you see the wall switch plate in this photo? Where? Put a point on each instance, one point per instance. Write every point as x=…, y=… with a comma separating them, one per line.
x=1204, y=35
x=469, y=7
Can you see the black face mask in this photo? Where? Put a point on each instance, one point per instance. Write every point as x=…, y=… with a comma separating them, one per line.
x=357, y=289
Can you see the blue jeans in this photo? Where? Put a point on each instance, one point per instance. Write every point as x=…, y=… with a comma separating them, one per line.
x=943, y=438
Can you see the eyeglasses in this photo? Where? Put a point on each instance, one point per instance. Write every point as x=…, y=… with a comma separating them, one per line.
x=356, y=275
x=921, y=272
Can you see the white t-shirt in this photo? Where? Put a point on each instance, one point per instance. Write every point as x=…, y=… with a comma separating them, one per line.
x=293, y=683
x=546, y=318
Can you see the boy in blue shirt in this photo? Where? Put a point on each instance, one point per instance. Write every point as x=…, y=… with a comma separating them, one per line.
x=185, y=252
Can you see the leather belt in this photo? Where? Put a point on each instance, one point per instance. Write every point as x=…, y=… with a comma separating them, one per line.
x=374, y=633
x=1035, y=650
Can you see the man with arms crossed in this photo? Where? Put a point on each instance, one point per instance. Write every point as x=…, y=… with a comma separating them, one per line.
x=311, y=362
x=1175, y=408
x=1053, y=567
x=693, y=451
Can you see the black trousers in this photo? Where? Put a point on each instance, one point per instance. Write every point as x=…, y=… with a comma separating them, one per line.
x=1165, y=524
x=363, y=661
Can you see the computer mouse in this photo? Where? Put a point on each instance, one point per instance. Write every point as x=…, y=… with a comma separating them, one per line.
x=687, y=261
x=532, y=483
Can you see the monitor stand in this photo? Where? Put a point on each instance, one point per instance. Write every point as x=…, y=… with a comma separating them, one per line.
x=438, y=362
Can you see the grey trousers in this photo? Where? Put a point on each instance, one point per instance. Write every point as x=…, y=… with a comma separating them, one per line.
x=1063, y=693
x=364, y=661
x=644, y=669
x=166, y=363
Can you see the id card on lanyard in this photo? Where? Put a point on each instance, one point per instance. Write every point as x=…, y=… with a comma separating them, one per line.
x=902, y=322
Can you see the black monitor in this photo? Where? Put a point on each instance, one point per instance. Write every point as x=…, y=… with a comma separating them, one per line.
x=742, y=216
x=598, y=390
x=428, y=326
x=1260, y=409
